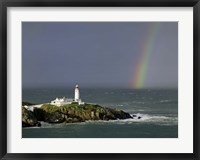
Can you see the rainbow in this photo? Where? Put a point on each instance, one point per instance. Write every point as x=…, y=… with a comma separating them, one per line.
x=141, y=67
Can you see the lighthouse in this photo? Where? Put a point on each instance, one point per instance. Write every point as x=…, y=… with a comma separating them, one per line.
x=76, y=94
x=64, y=101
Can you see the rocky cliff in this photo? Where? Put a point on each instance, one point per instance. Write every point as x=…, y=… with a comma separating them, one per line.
x=73, y=113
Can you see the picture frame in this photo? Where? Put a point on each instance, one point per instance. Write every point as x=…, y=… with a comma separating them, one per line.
x=98, y=3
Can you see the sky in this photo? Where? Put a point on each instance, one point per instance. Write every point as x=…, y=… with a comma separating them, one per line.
x=100, y=54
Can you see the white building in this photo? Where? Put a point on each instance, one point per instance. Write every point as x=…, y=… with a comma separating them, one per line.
x=63, y=101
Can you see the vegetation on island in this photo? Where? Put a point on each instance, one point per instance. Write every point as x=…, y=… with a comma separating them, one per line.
x=72, y=113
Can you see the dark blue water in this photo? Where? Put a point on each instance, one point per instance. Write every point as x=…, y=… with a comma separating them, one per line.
x=157, y=107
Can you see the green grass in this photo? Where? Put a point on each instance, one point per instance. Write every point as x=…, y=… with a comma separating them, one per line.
x=49, y=108
x=79, y=108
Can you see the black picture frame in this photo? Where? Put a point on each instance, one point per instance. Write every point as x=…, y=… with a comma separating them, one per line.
x=98, y=3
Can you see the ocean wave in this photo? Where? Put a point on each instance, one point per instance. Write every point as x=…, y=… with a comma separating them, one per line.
x=167, y=101
x=120, y=105
x=142, y=118
x=135, y=102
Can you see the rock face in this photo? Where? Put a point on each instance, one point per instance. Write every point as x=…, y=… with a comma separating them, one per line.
x=28, y=119
x=80, y=113
x=72, y=113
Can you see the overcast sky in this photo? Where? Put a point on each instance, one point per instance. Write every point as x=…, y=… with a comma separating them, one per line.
x=98, y=54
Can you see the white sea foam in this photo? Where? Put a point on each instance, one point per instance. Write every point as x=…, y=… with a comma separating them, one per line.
x=165, y=101
x=145, y=118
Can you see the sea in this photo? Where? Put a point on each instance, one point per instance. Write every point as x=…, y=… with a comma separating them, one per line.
x=157, y=107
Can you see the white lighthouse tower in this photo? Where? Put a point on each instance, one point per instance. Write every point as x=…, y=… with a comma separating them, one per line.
x=76, y=94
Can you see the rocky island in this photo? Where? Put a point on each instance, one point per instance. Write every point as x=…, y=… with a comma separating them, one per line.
x=68, y=110
x=70, y=113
